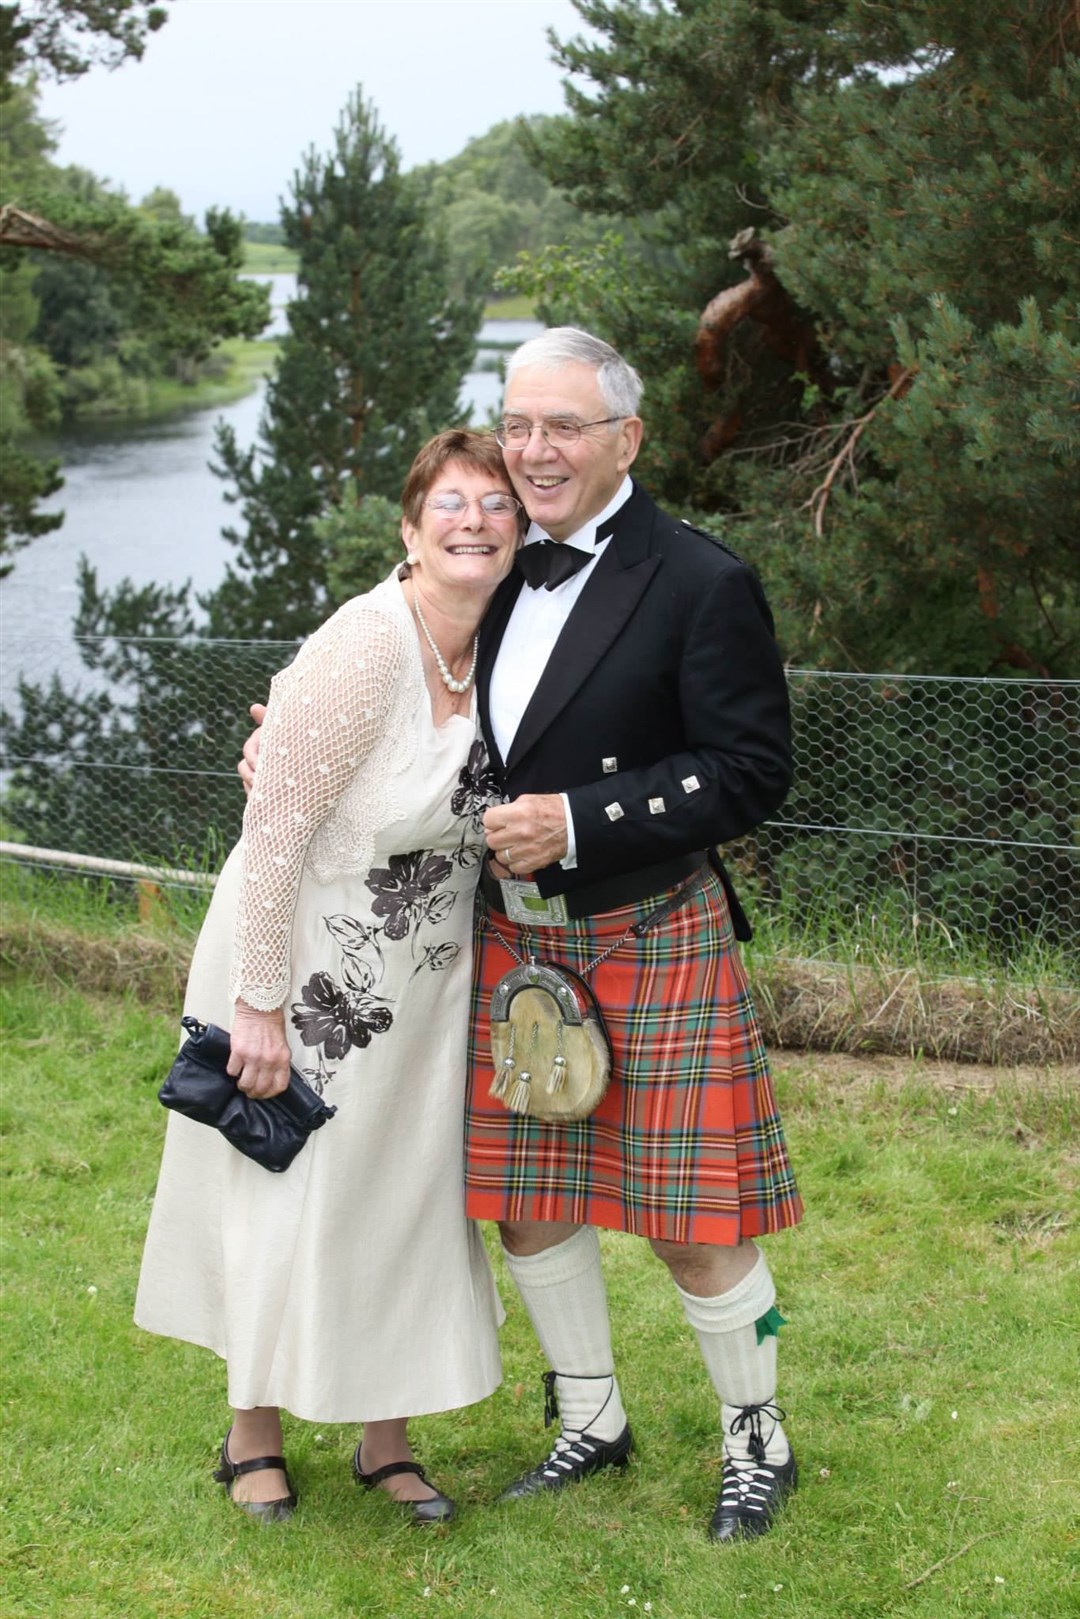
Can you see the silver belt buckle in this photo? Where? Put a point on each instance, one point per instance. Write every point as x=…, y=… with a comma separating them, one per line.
x=523, y=902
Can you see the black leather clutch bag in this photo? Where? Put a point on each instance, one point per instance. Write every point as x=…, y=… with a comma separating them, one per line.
x=270, y=1130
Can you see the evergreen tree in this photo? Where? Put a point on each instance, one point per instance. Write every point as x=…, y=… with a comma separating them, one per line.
x=66, y=37
x=94, y=292
x=879, y=207
x=372, y=364
x=898, y=448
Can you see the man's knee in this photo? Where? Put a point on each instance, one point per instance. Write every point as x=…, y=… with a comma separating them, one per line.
x=521, y=1237
x=703, y=1269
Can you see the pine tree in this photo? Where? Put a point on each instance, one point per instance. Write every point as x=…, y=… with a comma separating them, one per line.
x=373, y=363
x=879, y=205
x=94, y=292
x=899, y=452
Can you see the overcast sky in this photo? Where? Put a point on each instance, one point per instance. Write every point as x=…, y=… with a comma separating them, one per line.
x=231, y=92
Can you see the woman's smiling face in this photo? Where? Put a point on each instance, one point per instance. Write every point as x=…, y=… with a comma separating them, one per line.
x=472, y=547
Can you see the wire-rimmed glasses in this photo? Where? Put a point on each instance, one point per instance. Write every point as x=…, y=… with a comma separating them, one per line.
x=514, y=432
x=449, y=503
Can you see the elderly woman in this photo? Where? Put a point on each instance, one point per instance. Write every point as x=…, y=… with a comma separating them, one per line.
x=351, y=1288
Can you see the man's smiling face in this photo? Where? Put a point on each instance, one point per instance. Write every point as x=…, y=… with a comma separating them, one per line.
x=562, y=488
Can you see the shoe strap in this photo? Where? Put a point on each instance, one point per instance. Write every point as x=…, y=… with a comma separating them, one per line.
x=391, y=1470
x=256, y=1464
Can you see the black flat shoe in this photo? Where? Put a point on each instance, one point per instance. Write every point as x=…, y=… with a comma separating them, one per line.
x=440, y=1509
x=264, y=1511
x=569, y=1462
x=750, y=1497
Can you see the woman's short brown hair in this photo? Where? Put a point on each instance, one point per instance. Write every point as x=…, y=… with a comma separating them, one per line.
x=477, y=451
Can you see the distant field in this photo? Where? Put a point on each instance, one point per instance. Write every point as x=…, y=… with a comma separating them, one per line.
x=519, y=308
x=237, y=367
x=268, y=258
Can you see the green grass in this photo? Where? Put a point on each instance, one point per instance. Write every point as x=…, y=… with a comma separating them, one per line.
x=100, y=906
x=928, y=1368
x=893, y=935
x=518, y=307
x=269, y=258
x=238, y=366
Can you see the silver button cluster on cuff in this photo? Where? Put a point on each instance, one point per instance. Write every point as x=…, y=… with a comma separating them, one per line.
x=614, y=812
x=690, y=784
x=656, y=806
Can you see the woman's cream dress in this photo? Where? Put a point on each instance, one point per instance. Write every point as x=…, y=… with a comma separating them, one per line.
x=351, y=1287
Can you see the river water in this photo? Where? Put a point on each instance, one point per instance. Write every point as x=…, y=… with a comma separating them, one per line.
x=141, y=503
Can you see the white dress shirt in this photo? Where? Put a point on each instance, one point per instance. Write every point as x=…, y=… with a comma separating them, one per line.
x=529, y=639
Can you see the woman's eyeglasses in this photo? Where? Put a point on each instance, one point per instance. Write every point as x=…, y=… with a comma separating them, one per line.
x=451, y=504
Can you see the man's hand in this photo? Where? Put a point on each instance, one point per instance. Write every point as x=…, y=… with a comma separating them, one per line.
x=528, y=834
x=247, y=764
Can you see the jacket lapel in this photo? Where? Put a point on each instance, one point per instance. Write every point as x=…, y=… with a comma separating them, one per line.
x=609, y=598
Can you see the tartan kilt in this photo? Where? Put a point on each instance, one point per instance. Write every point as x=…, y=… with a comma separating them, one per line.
x=687, y=1144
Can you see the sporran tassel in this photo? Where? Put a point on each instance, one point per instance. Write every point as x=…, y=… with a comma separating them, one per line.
x=519, y=1096
x=500, y=1083
x=557, y=1078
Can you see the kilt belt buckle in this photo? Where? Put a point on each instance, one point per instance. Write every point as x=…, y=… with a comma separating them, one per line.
x=523, y=902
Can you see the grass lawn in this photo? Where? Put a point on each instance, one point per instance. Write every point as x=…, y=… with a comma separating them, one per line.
x=929, y=1370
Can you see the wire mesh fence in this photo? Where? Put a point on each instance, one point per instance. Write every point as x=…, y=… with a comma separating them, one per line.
x=956, y=799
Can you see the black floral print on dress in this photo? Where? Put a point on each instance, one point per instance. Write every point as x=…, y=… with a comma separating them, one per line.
x=338, y=1016
x=476, y=791
x=405, y=891
x=338, y=1019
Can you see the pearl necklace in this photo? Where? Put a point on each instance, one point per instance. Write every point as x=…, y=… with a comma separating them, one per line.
x=445, y=676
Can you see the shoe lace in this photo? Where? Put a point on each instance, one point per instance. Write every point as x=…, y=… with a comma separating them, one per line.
x=570, y=1448
x=551, y=1398
x=750, y=1418
x=747, y=1489
x=565, y=1455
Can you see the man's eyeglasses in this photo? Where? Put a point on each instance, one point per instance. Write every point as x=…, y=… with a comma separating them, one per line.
x=451, y=504
x=559, y=431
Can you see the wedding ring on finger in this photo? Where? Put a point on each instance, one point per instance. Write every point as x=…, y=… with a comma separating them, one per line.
x=506, y=858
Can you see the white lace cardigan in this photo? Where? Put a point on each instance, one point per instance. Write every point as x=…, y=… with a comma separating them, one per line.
x=340, y=728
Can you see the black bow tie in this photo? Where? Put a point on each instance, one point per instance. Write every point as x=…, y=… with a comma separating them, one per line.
x=551, y=563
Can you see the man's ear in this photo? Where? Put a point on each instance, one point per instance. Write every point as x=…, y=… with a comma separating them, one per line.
x=630, y=431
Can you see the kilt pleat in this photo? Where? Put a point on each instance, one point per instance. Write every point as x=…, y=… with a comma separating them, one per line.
x=687, y=1144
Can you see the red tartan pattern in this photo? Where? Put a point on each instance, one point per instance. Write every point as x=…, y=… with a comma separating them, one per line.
x=687, y=1144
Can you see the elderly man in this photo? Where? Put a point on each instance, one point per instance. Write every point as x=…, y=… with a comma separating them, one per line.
x=635, y=708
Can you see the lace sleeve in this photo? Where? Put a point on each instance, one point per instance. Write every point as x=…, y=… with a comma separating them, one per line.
x=324, y=716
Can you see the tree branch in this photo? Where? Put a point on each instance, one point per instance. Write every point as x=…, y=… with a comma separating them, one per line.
x=820, y=497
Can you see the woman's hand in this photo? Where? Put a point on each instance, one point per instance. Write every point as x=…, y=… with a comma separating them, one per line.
x=246, y=767
x=259, y=1061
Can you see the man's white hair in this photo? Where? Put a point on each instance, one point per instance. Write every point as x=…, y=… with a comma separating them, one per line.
x=620, y=386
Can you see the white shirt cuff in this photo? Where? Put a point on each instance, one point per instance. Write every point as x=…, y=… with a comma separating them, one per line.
x=569, y=859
